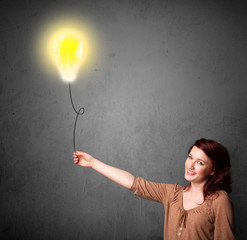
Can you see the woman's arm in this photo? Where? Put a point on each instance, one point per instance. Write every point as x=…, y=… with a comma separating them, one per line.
x=224, y=217
x=117, y=175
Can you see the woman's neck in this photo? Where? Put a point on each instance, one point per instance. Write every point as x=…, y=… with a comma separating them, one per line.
x=196, y=187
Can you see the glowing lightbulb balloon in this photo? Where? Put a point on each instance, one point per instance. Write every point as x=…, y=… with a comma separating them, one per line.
x=66, y=44
x=68, y=51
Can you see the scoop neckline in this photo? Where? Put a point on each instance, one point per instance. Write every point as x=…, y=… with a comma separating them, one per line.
x=191, y=209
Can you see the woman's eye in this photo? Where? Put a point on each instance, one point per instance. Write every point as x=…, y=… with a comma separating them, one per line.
x=189, y=157
x=200, y=163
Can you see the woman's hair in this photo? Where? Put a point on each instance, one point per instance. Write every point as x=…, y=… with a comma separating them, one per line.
x=221, y=179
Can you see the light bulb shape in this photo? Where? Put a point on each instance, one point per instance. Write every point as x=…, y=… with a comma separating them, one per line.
x=68, y=56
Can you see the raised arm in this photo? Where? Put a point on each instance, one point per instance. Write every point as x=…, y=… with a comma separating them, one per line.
x=117, y=175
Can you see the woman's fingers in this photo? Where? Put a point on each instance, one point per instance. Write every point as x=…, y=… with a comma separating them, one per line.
x=76, y=159
x=78, y=153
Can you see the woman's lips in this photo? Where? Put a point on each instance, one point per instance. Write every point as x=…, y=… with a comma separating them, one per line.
x=190, y=173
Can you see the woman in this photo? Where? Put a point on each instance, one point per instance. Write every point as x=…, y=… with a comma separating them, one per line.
x=201, y=210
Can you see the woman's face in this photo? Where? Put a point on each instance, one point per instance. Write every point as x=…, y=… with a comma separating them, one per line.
x=198, y=166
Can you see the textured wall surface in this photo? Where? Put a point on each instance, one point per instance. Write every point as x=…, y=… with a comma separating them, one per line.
x=165, y=73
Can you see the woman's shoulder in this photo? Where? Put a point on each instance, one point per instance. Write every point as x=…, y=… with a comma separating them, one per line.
x=221, y=199
x=220, y=196
x=178, y=187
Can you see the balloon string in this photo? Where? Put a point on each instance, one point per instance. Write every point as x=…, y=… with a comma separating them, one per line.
x=79, y=112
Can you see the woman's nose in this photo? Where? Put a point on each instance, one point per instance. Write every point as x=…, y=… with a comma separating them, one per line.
x=191, y=166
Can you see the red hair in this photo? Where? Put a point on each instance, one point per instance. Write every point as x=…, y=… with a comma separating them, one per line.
x=221, y=179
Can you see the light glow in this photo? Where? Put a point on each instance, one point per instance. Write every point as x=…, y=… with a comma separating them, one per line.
x=66, y=48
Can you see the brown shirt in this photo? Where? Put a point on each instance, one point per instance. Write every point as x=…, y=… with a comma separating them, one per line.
x=213, y=219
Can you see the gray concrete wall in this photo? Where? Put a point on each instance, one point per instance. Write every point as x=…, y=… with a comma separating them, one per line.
x=164, y=74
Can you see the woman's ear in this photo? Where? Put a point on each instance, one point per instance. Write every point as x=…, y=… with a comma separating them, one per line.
x=213, y=171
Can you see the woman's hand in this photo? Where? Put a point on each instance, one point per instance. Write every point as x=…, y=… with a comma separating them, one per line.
x=83, y=159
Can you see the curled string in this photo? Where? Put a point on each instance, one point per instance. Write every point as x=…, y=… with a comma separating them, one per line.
x=79, y=112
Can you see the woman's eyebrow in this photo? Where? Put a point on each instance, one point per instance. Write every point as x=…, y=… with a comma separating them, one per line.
x=205, y=161
x=202, y=160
